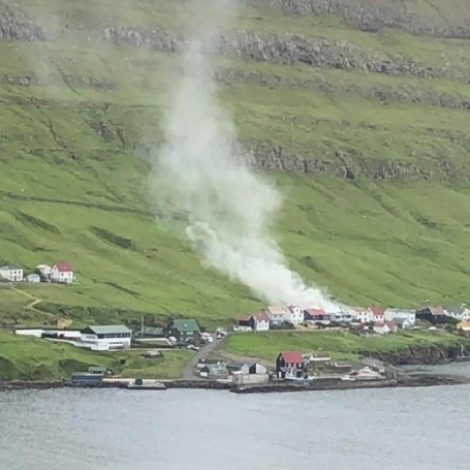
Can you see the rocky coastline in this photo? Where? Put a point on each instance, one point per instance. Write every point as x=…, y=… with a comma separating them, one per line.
x=397, y=381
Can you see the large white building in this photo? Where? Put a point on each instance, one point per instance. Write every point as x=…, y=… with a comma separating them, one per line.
x=107, y=337
x=11, y=273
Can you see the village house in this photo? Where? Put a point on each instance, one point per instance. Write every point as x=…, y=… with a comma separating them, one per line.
x=459, y=313
x=315, y=315
x=385, y=327
x=184, y=330
x=243, y=323
x=259, y=321
x=11, y=273
x=403, y=323
x=289, y=362
x=62, y=273
x=276, y=314
x=294, y=315
x=364, y=315
x=216, y=371
x=392, y=314
x=33, y=278
x=343, y=316
x=378, y=314
x=107, y=337
x=434, y=315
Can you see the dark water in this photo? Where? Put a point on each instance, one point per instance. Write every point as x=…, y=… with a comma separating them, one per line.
x=395, y=429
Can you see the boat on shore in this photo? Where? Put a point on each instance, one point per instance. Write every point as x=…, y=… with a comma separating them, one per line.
x=140, y=384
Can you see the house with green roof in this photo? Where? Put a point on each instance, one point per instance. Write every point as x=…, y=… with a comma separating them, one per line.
x=184, y=330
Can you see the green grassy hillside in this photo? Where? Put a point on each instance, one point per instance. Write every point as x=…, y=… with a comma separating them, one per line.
x=80, y=119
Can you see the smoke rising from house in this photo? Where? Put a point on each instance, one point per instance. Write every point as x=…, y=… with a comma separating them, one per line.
x=230, y=207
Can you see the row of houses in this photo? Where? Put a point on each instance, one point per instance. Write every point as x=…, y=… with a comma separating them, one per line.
x=275, y=316
x=382, y=320
x=60, y=272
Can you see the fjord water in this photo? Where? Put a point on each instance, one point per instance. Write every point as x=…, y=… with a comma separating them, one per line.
x=395, y=429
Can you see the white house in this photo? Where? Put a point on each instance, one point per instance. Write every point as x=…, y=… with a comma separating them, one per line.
x=44, y=270
x=34, y=278
x=107, y=337
x=11, y=273
x=276, y=314
x=364, y=315
x=459, y=313
x=392, y=314
x=260, y=321
x=385, y=327
x=62, y=272
x=294, y=315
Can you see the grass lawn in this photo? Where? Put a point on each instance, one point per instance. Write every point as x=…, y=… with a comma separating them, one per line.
x=36, y=359
x=340, y=345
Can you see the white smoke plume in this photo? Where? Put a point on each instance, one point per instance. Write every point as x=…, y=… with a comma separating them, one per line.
x=230, y=207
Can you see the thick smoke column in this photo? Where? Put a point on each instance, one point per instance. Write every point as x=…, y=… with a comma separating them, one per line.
x=230, y=208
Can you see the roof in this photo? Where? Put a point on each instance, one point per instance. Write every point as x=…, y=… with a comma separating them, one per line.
x=275, y=310
x=292, y=357
x=456, y=310
x=260, y=316
x=400, y=320
x=107, y=329
x=10, y=268
x=315, y=312
x=63, y=267
x=377, y=310
x=361, y=309
x=150, y=331
x=391, y=324
x=434, y=310
x=244, y=318
x=185, y=326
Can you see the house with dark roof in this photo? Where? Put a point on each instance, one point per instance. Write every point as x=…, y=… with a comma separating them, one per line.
x=62, y=272
x=186, y=330
x=105, y=337
x=459, y=313
x=434, y=315
x=290, y=362
x=316, y=315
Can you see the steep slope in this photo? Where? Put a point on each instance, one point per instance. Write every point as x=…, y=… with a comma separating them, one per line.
x=360, y=114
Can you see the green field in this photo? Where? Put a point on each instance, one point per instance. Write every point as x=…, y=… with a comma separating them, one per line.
x=80, y=123
x=339, y=345
x=35, y=359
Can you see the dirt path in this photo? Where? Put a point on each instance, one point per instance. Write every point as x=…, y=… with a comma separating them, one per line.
x=34, y=301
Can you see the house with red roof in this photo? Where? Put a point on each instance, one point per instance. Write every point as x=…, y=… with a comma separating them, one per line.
x=378, y=313
x=316, y=315
x=62, y=273
x=290, y=362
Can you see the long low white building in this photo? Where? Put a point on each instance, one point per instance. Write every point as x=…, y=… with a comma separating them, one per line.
x=107, y=337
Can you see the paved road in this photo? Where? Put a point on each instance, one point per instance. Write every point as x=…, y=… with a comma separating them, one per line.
x=188, y=373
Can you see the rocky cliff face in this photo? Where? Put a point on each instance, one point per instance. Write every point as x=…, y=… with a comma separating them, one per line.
x=286, y=49
x=428, y=355
x=372, y=16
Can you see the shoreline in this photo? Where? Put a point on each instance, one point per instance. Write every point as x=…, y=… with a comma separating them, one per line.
x=404, y=381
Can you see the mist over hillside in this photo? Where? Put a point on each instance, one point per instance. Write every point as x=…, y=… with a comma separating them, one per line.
x=357, y=111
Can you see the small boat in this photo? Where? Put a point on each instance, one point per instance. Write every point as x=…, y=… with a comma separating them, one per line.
x=139, y=384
